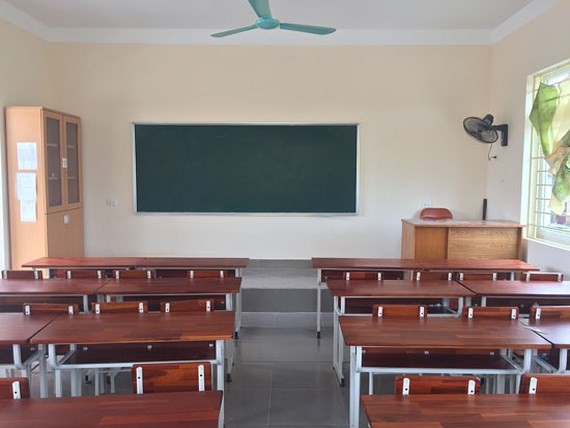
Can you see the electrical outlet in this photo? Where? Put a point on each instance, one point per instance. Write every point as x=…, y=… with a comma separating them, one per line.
x=427, y=204
x=111, y=202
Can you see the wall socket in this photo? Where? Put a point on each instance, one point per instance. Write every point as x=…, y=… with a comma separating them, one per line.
x=427, y=204
x=111, y=202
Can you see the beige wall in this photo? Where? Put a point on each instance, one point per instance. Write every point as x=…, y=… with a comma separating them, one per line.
x=409, y=102
x=25, y=79
x=538, y=45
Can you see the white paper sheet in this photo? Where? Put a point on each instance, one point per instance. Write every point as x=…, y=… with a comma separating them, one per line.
x=27, y=156
x=28, y=211
x=26, y=186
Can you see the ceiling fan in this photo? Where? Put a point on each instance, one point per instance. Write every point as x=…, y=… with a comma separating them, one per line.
x=266, y=21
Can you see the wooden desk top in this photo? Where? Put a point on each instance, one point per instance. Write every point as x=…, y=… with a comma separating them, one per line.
x=556, y=332
x=467, y=411
x=439, y=333
x=477, y=264
x=364, y=264
x=396, y=288
x=84, y=262
x=195, y=409
x=17, y=329
x=35, y=287
x=193, y=263
x=463, y=223
x=138, y=328
x=171, y=286
x=519, y=288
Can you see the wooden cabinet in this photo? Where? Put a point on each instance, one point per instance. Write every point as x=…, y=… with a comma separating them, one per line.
x=452, y=239
x=44, y=179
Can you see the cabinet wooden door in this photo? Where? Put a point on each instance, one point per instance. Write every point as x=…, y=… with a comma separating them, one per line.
x=71, y=163
x=65, y=233
x=53, y=159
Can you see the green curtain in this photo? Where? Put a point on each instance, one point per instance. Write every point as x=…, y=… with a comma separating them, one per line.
x=550, y=117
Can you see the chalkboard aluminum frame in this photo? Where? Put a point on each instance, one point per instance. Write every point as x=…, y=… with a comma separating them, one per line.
x=246, y=214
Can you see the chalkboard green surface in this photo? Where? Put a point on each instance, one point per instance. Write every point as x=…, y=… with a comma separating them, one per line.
x=246, y=168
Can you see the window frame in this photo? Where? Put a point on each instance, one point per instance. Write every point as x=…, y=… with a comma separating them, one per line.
x=541, y=224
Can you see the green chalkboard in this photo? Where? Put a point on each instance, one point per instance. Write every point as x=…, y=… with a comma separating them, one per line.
x=246, y=168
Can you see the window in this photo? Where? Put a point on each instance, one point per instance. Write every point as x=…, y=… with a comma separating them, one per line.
x=548, y=105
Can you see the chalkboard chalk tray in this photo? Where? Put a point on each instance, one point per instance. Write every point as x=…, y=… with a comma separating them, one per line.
x=190, y=168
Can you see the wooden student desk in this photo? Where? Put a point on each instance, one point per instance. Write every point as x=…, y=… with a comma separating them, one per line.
x=343, y=290
x=208, y=263
x=16, y=330
x=556, y=332
x=84, y=263
x=33, y=288
x=432, y=334
x=478, y=265
x=468, y=411
x=166, y=288
x=149, y=328
x=456, y=239
x=232, y=264
x=536, y=290
x=195, y=409
x=332, y=268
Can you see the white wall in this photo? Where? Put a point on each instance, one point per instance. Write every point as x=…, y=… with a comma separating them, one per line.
x=25, y=79
x=409, y=101
x=540, y=44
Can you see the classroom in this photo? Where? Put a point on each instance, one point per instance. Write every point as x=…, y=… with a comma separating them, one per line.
x=407, y=89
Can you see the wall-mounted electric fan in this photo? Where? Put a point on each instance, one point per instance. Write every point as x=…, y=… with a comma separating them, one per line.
x=267, y=22
x=484, y=131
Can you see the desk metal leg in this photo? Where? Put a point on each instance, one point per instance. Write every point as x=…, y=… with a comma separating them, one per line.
x=354, y=397
x=220, y=376
x=52, y=358
x=238, y=315
x=484, y=301
x=563, y=360
x=318, y=311
x=460, y=306
x=86, y=304
x=338, y=343
x=43, y=371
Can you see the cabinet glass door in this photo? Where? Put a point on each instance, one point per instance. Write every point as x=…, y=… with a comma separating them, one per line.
x=72, y=155
x=53, y=161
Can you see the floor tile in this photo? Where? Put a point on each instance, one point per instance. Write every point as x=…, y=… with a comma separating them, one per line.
x=306, y=406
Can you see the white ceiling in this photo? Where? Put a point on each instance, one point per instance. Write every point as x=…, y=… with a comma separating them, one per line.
x=191, y=21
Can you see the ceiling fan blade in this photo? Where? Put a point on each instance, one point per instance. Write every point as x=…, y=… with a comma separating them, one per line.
x=307, y=28
x=234, y=31
x=261, y=8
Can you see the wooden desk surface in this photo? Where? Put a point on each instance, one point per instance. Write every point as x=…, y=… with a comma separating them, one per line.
x=138, y=328
x=171, y=286
x=195, y=409
x=395, y=288
x=519, y=288
x=38, y=287
x=83, y=262
x=465, y=411
x=193, y=263
x=439, y=333
x=17, y=329
x=462, y=223
x=364, y=264
x=501, y=265
x=556, y=332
